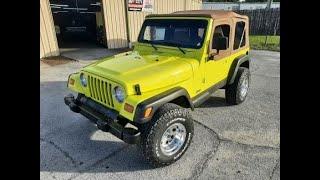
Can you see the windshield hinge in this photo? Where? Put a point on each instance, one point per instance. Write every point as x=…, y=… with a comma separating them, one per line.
x=137, y=89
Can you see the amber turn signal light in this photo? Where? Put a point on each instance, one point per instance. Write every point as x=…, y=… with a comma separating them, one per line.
x=71, y=81
x=147, y=112
x=128, y=108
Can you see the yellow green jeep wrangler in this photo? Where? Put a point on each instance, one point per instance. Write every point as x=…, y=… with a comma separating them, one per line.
x=179, y=60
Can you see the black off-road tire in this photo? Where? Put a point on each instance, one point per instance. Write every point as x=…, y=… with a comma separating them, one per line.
x=152, y=132
x=232, y=91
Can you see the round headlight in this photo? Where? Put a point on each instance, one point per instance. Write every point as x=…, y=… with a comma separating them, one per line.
x=119, y=94
x=83, y=80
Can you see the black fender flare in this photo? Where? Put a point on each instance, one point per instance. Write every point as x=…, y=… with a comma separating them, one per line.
x=235, y=66
x=157, y=101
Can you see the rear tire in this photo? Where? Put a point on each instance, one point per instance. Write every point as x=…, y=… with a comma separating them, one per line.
x=237, y=92
x=167, y=137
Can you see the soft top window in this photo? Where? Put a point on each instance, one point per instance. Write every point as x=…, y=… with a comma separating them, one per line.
x=174, y=32
x=240, y=35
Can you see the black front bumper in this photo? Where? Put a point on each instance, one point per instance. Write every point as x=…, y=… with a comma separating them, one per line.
x=104, y=118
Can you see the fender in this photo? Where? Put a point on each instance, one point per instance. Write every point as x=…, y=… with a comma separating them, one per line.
x=235, y=66
x=157, y=101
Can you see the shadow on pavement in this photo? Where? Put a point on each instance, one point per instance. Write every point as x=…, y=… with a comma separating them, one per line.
x=117, y=156
x=214, y=102
x=71, y=143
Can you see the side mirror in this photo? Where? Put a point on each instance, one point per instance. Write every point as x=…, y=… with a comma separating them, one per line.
x=220, y=43
x=211, y=55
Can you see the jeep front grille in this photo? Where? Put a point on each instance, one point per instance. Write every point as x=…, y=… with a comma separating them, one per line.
x=100, y=90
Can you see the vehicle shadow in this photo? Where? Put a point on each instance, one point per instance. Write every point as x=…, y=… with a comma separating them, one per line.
x=214, y=101
x=71, y=143
x=94, y=156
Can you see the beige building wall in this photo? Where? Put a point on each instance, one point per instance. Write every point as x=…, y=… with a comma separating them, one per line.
x=193, y=4
x=48, y=39
x=115, y=23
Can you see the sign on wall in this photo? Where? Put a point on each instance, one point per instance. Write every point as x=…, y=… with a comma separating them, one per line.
x=140, y=5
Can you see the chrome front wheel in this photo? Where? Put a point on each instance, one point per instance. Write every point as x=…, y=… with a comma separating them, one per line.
x=168, y=135
x=173, y=139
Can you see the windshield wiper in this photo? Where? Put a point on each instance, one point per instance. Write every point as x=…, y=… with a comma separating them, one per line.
x=155, y=48
x=181, y=49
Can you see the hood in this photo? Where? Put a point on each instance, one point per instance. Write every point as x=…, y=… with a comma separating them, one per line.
x=149, y=71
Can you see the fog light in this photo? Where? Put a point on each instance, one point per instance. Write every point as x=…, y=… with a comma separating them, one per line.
x=147, y=112
x=128, y=108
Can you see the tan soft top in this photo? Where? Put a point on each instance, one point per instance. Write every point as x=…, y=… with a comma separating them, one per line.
x=214, y=14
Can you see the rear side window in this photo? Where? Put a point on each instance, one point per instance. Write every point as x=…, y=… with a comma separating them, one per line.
x=240, y=35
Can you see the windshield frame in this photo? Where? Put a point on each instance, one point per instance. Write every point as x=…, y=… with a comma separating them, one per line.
x=170, y=44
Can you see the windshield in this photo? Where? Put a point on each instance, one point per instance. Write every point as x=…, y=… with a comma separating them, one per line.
x=174, y=32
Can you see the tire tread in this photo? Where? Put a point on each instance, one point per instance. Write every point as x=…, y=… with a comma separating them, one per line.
x=167, y=112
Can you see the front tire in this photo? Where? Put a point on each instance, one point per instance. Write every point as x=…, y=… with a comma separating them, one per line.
x=237, y=92
x=167, y=137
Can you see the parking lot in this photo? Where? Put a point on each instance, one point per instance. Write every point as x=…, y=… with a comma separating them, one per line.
x=230, y=142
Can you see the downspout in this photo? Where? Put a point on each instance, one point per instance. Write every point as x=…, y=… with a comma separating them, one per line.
x=104, y=23
x=127, y=23
x=185, y=5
